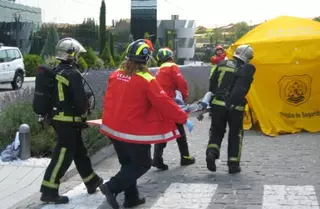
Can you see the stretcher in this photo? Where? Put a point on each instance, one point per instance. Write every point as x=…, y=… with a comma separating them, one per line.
x=192, y=110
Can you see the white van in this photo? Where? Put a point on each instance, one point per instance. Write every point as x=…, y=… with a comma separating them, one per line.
x=11, y=66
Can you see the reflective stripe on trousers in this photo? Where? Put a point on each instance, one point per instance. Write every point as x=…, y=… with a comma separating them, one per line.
x=222, y=103
x=132, y=137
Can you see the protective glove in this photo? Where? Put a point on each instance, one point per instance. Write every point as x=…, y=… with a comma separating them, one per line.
x=189, y=125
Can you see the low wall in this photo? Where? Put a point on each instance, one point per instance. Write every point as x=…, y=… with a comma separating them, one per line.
x=197, y=78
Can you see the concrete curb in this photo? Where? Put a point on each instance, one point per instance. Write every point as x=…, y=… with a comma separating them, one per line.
x=33, y=201
x=29, y=79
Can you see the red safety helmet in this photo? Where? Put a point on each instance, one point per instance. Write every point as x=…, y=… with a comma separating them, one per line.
x=149, y=44
x=219, y=47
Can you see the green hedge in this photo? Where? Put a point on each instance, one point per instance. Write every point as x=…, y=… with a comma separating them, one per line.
x=31, y=63
x=42, y=140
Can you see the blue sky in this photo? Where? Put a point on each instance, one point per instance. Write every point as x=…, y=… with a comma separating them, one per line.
x=208, y=13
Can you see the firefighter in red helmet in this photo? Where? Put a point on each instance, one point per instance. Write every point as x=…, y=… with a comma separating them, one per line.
x=219, y=56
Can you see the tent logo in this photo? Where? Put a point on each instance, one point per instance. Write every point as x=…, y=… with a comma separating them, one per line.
x=295, y=90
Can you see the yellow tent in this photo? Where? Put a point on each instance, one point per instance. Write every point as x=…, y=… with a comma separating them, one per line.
x=285, y=94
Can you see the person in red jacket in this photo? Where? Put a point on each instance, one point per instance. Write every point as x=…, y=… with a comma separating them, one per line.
x=136, y=113
x=219, y=56
x=171, y=79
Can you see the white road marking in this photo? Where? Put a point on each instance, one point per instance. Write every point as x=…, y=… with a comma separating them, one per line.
x=183, y=196
x=289, y=197
x=80, y=199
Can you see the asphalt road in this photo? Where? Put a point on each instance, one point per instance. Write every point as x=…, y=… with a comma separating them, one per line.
x=5, y=88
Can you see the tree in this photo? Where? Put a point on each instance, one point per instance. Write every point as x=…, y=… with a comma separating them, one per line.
x=49, y=47
x=211, y=39
x=156, y=47
x=317, y=19
x=170, y=44
x=102, y=26
x=107, y=57
x=241, y=29
x=88, y=33
x=166, y=38
x=111, y=44
x=217, y=35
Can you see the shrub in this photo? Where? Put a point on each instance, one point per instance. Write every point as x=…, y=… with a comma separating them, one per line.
x=99, y=63
x=90, y=58
x=51, y=61
x=31, y=63
x=82, y=63
x=16, y=109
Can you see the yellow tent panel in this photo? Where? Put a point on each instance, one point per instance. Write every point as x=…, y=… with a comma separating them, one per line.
x=285, y=94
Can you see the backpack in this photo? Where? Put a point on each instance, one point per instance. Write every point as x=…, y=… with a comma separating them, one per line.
x=44, y=86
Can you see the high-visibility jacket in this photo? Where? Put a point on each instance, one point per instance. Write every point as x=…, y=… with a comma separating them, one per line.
x=137, y=110
x=171, y=79
x=215, y=60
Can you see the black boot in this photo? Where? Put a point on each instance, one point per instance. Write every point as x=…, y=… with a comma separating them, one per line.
x=134, y=203
x=92, y=187
x=111, y=198
x=131, y=197
x=211, y=162
x=157, y=160
x=187, y=160
x=158, y=163
x=234, y=168
x=54, y=199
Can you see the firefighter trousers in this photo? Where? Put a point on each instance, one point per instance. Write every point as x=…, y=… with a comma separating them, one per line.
x=181, y=141
x=69, y=147
x=135, y=161
x=219, y=120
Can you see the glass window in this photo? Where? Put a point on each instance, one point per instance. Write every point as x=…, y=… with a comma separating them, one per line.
x=11, y=54
x=18, y=55
x=3, y=56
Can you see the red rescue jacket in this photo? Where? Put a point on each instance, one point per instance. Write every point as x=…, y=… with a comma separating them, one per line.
x=171, y=79
x=137, y=110
x=216, y=59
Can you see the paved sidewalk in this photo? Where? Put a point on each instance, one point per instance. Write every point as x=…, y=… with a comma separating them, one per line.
x=278, y=173
x=18, y=182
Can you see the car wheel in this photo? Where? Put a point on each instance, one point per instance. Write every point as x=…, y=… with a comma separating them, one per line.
x=17, y=81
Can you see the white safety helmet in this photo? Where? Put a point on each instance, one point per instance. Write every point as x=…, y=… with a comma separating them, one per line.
x=69, y=49
x=244, y=53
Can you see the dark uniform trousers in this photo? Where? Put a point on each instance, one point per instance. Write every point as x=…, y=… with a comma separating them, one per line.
x=219, y=120
x=135, y=161
x=69, y=147
x=181, y=141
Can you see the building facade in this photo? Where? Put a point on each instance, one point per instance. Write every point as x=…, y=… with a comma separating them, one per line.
x=184, y=43
x=17, y=24
x=143, y=18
